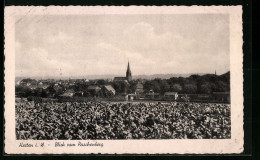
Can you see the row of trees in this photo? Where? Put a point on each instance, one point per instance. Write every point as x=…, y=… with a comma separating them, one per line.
x=194, y=84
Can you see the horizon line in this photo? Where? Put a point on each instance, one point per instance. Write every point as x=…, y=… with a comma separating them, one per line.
x=132, y=75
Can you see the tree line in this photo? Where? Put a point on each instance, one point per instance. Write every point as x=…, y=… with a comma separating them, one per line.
x=195, y=84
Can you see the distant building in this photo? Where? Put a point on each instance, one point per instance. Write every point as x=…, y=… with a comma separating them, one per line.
x=94, y=88
x=128, y=76
x=132, y=96
x=109, y=88
x=120, y=79
x=170, y=95
x=152, y=95
x=68, y=93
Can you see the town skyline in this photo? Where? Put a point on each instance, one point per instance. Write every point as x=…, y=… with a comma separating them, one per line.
x=111, y=76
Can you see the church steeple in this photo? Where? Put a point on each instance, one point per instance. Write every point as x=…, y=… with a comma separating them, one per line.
x=128, y=73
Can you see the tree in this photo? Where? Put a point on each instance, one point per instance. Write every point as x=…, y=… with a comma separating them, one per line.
x=225, y=77
x=59, y=89
x=120, y=86
x=152, y=85
x=28, y=80
x=147, y=86
x=206, y=88
x=80, y=87
x=23, y=91
x=101, y=82
x=222, y=86
x=156, y=85
x=132, y=87
x=51, y=90
x=19, y=89
x=173, y=80
x=190, y=88
x=194, y=77
x=176, y=87
x=164, y=86
x=38, y=92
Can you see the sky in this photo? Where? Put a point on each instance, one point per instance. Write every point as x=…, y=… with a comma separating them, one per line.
x=80, y=45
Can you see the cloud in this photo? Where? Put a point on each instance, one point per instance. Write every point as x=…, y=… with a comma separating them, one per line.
x=37, y=60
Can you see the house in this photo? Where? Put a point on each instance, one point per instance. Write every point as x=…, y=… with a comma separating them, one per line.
x=170, y=96
x=117, y=79
x=152, y=95
x=94, y=88
x=110, y=89
x=41, y=82
x=68, y=93
x=132, y=96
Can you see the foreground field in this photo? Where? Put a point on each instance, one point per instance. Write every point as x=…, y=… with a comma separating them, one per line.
x=107, y=120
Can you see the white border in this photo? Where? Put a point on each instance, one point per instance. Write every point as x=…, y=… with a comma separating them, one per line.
x=187, y=146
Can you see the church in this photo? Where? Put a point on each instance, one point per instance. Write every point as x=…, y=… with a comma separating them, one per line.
x=128, y=76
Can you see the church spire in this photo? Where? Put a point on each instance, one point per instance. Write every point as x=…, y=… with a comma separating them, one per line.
x=128, y=67
x=128, y=73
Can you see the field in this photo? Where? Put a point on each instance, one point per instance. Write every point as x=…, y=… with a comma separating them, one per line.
x=118, y=120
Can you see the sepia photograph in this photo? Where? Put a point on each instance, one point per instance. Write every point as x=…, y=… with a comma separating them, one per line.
x=91, y=76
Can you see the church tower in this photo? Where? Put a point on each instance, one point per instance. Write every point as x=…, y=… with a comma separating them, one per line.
x=128, y=73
